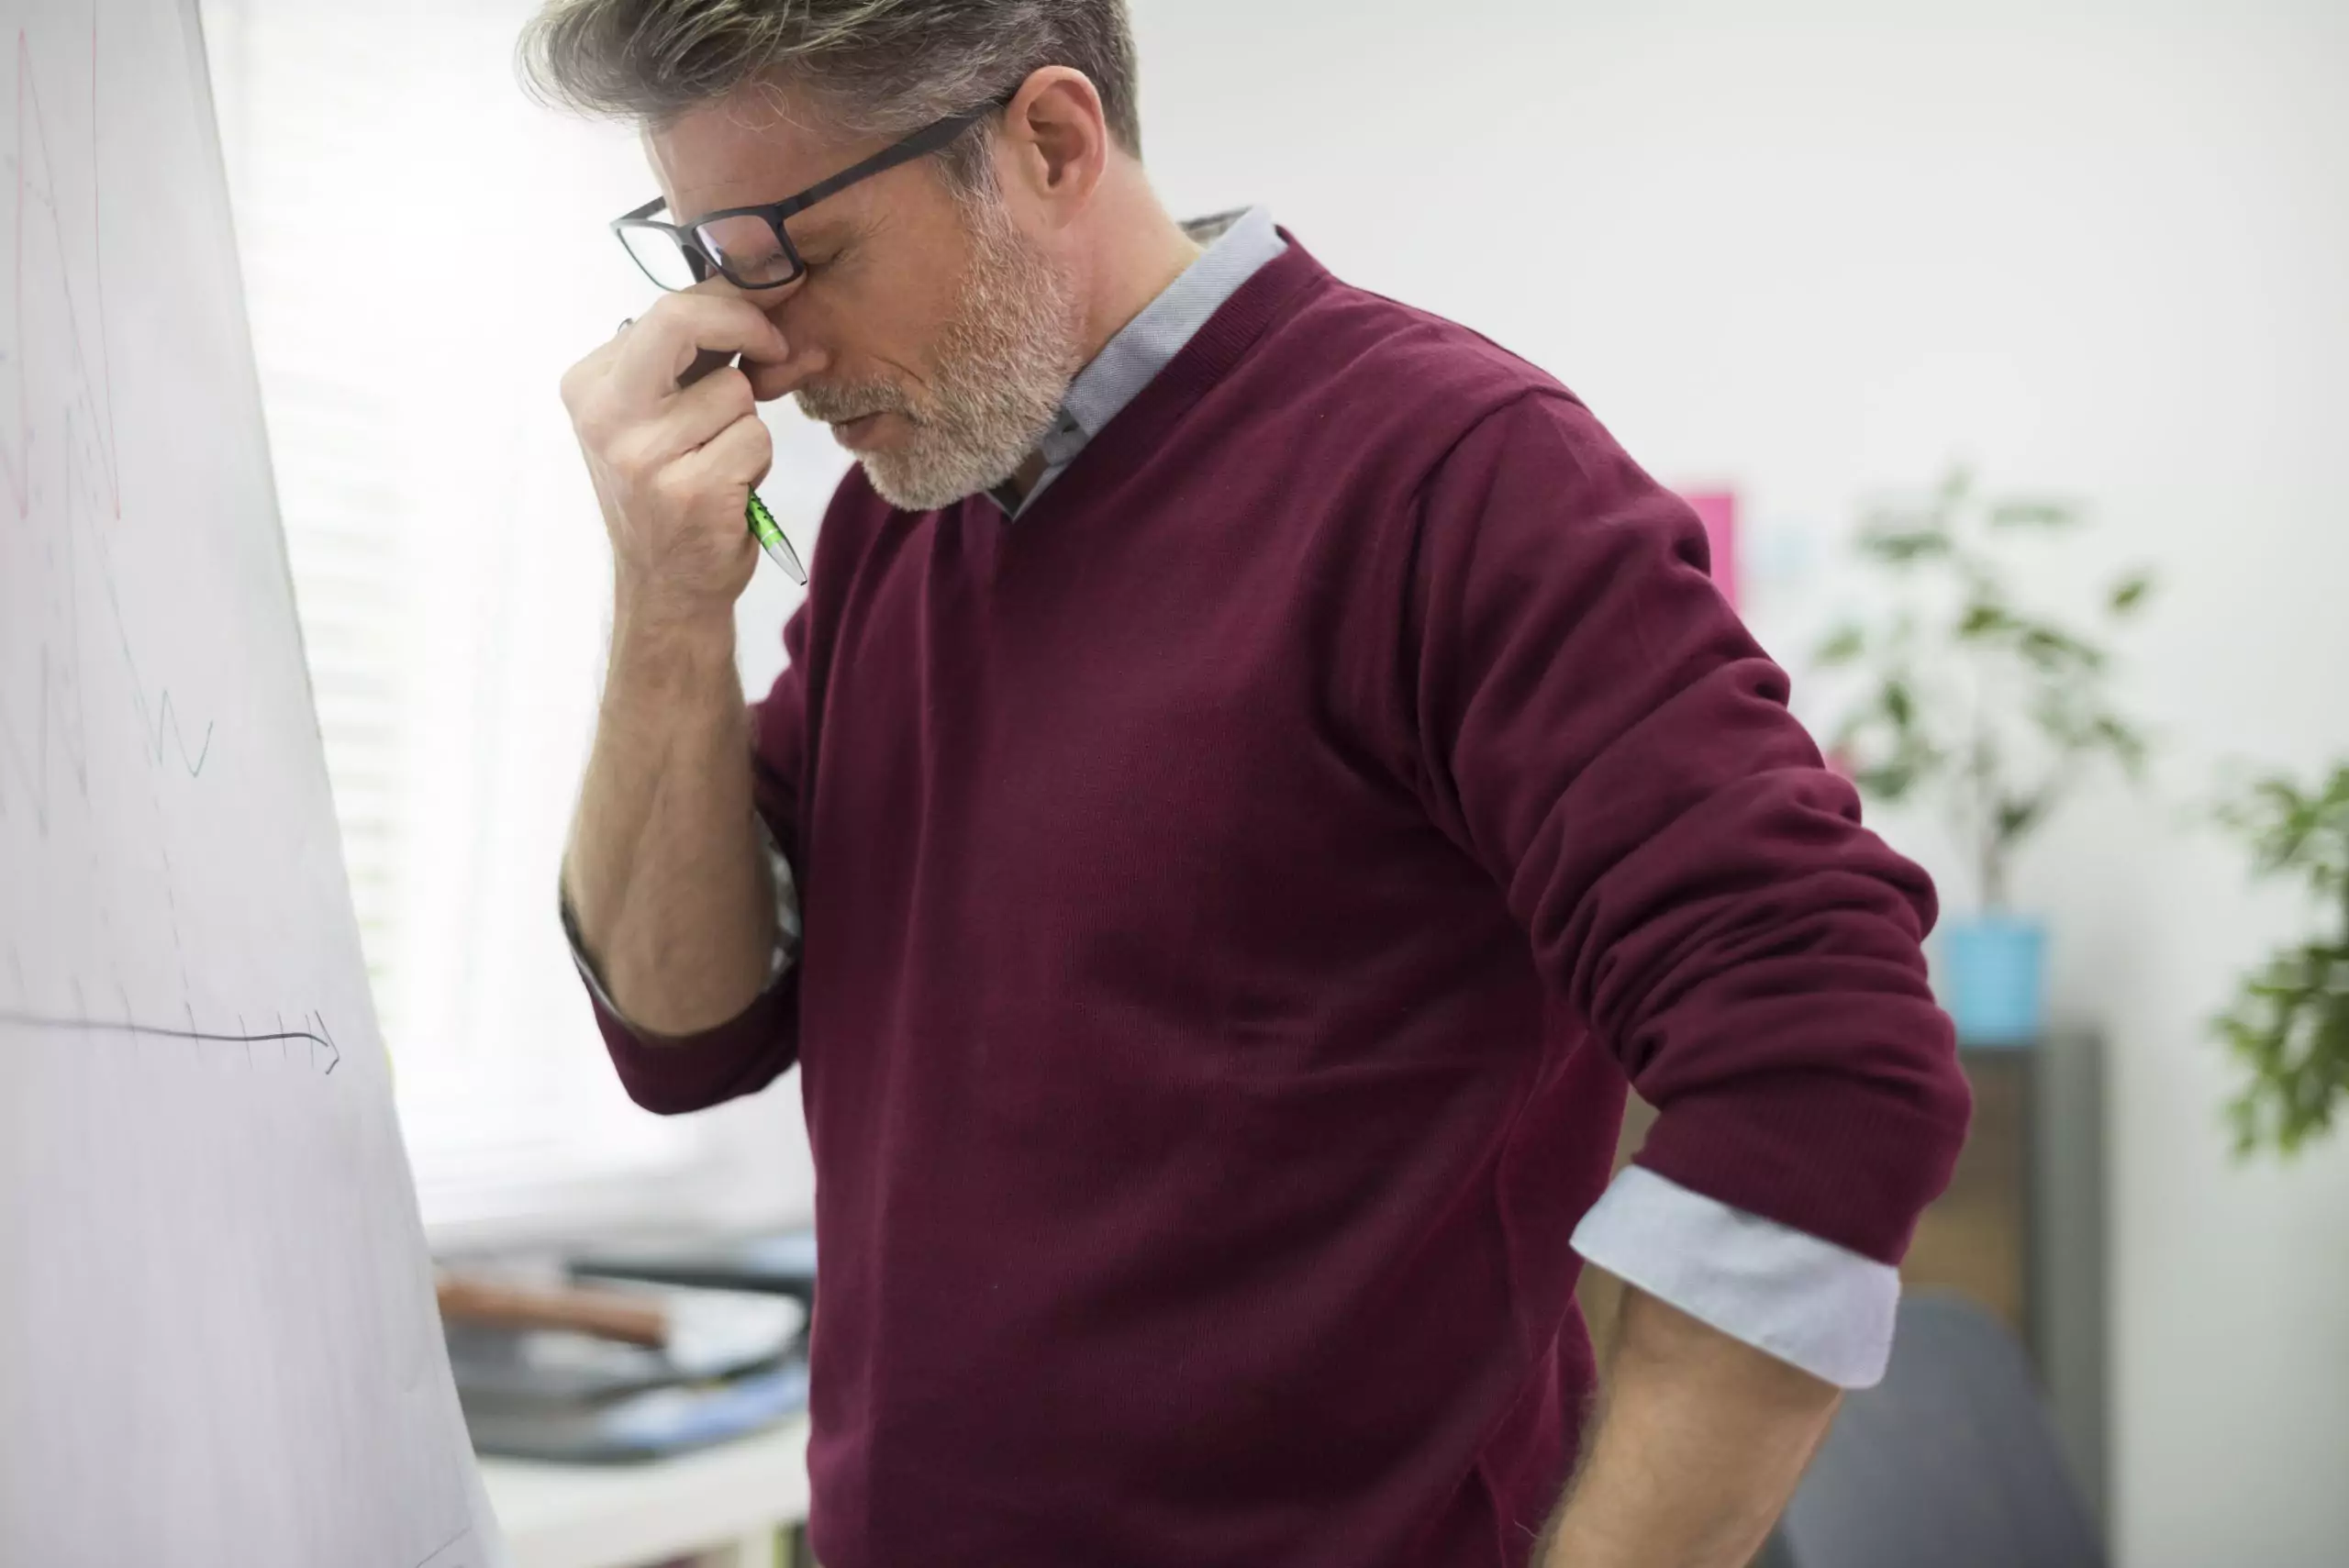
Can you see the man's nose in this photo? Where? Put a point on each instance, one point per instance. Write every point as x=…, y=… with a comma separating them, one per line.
x=805, y=358
x=808, y=355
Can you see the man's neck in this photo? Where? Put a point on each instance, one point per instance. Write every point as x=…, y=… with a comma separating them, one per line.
x=1144, y=250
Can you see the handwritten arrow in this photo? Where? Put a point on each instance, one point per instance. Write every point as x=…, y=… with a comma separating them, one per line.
x=315, y=1038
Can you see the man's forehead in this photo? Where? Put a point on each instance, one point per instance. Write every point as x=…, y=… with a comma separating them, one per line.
x=744, y=153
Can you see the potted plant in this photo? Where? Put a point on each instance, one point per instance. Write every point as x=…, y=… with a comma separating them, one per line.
x=1993, y=711
x=2289, y=1028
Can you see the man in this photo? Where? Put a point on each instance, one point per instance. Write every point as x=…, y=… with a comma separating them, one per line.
x=1259, y=769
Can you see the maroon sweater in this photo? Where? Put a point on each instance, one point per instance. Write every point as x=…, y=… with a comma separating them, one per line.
x=1236, y=892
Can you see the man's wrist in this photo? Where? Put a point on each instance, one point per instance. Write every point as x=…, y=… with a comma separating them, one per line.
x=669, y=636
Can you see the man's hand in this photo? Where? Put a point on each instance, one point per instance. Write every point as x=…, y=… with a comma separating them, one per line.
x=1698, y=1449
x=665, y=874
x=674, y=466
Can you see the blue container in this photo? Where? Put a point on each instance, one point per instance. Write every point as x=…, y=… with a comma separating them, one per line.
x=1994, y=974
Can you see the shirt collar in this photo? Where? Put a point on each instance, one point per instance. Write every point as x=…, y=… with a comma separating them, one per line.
x=1238, y=245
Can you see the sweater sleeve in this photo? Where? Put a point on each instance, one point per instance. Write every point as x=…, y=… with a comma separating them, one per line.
x=1600, y=732
x=671, y=1074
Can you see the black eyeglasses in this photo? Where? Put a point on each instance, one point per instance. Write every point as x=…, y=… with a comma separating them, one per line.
x=747, y=246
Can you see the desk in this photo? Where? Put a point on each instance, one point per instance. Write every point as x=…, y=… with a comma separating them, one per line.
x=727, y=1504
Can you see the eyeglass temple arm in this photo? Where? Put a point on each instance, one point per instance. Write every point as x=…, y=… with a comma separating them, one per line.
x=919, y=145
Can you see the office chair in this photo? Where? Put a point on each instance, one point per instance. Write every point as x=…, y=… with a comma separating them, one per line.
x=1950, y=1462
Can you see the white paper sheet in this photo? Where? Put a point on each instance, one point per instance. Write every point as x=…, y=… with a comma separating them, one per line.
x=218, y=1342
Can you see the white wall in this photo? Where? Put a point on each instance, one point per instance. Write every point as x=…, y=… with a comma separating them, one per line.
x=1815, y=249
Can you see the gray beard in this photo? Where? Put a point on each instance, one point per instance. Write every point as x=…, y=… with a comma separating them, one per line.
x=1003, y=366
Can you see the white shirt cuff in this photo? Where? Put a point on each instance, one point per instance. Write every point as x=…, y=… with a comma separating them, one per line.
x=1810, y=1303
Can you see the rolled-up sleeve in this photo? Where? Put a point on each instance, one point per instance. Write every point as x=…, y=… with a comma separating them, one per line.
x=1599, y=730
x=1811, y=1304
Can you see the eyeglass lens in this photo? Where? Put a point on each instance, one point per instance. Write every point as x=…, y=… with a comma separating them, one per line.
x=664, y=260
x=748, y=250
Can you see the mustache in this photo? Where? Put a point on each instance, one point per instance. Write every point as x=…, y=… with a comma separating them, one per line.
x=839, y=405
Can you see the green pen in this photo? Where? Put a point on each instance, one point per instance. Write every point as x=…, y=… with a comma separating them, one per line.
x=770, y=539
x=755, y=515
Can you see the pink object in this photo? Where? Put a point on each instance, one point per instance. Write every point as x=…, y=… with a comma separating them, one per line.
x=1718, y=510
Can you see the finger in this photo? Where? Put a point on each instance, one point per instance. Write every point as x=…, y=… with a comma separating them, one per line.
x=741, y=454
x=770, y=380
x=775, y=353
x=691, y=418
x=585, y=386
x=653, y=355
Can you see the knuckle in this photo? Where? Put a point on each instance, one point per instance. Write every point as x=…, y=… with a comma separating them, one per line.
x=668, y=491
x=633, y=455
x=657, y=325
x=682, y=312
x=578, y=388
x=587, y=396
x=594, y=427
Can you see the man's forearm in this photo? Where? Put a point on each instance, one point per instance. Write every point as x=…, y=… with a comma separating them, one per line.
x=671, y=895
x=1697, y=1449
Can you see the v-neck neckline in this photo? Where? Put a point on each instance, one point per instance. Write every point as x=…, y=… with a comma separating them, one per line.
x=1212, y=351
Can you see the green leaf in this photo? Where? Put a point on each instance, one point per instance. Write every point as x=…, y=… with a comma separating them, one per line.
x=1906, y=545
x=2033, y=512
x=2130, y=592
x=1891, y=782
x=2056, y=653
x=1982, y=622
x=1842, y=647
x=1898, y=705
x=2016, y=817
x=2124, y=742
x=2336, y=789
x=2288, y=1032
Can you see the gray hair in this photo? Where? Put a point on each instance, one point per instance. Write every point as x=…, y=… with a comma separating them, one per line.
x=877, y=67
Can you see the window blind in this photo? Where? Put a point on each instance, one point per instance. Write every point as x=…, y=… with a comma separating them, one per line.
x=422, y=251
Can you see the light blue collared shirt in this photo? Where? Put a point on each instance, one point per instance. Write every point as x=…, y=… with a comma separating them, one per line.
x=1238, y=243
x=1805, y=1300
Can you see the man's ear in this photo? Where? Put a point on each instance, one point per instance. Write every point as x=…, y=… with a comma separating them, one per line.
x=1055, y=143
